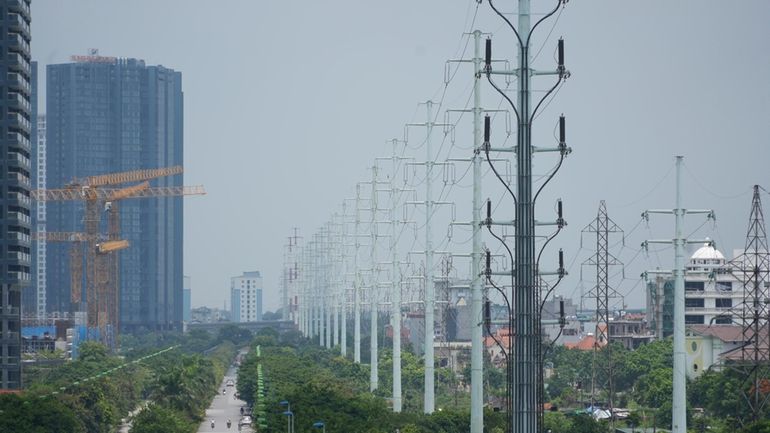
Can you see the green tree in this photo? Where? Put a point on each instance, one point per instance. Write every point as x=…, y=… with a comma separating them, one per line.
x=556, y=422
x=21, y=414
x=157, y=419
x=584, y=423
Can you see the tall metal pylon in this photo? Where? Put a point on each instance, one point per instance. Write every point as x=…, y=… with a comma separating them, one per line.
x=679, y=403
x=429, y=301
x=526, y=414
x=394, y=193
x=291, y=269
x=357, y=281
x=373, y=288
x=476, y=276
x=752, y=268
x=601, y=365
x=344, y=283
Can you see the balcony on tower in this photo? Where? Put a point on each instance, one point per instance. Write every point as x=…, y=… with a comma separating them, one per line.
x=17, y=44
x=18, y=83
x=17, y=121
x=19, y=139
x=18, y=63
x=18, y=101
x=19, y=7
x=17, y=23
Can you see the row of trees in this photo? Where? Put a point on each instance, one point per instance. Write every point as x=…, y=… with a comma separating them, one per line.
x=322, y=386
x=95, y=392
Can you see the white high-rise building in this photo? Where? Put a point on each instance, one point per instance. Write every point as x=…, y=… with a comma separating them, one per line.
x=246, y=297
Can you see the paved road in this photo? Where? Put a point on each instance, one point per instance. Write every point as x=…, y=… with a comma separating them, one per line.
x=224, y=407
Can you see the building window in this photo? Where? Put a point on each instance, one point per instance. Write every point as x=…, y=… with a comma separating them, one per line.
x=693, y=303
x=724, y=286
x=724, y=302
x=693, y=319
x=693, y=285
x=723, y=320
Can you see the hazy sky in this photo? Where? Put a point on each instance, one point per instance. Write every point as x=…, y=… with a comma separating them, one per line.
x=287, y=104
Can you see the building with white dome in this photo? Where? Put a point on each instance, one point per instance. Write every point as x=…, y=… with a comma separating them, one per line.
x=711, y=291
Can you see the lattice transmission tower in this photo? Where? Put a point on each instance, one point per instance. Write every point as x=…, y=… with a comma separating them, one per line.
x=602, y=364
x=752, y=359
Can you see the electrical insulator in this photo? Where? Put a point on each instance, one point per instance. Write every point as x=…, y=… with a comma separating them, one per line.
x=488, y=57
x=561, y=258
x=559, y=208
x=560, y=216
x=561, y=54
x=489, y=263
x=486, y=130
x=562, y=320
x=487, y=313
x=489, y=212
x=562, y=130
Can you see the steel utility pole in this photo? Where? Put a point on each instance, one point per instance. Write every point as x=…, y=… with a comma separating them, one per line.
x=373, y=288
x=395, y=276
x=430, y=296
x=429, y=301
x=327, y=296
x=357, y=282
x=526, y=386
x=344, y=285
x=476, y=275
x=477, y=295
x=679, y=403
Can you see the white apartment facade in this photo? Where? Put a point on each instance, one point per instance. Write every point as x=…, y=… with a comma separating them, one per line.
x=246, y=297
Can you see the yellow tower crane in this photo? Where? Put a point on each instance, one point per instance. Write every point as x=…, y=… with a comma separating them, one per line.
x=101, y=261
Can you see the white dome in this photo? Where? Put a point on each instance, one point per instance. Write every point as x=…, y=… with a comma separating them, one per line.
x=707, y=252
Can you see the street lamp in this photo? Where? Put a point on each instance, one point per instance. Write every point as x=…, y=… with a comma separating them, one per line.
x=290, y=416
x=289, y=421
x=321, y=425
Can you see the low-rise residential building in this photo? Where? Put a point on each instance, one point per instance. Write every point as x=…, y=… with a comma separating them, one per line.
x=708, y=345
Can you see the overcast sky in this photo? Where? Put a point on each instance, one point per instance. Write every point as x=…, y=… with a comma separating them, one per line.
x=288, y=103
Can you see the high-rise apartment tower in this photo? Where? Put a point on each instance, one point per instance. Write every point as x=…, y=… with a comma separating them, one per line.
x=106, y=115
x=15, y=222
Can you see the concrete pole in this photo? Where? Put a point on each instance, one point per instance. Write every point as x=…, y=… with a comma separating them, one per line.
x=678, y=415
x=477, y=344
x=395, y=287
x=357, y=283
x=429, y=398
x=373, y=289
